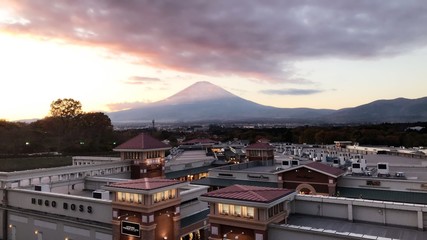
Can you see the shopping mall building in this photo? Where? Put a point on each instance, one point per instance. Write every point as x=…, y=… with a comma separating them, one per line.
x=131, y=197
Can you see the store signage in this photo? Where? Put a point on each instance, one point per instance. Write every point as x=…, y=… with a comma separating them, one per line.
x=65, y=205
x=130, y=228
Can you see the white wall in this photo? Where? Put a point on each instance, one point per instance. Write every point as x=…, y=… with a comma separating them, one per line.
x=388, y=213
x=55, y=228
x=386, y=184
x=92, y=209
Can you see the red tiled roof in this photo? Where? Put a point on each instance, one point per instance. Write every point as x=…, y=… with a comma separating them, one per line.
x=143, y=141
x=145, y=183
x=249, y=193
x=317, y=166
x=259, y=145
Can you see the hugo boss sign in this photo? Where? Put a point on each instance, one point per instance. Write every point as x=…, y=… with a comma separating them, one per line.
x=66, y=206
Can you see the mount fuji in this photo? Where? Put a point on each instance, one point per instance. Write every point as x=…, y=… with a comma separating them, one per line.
x=204, y=101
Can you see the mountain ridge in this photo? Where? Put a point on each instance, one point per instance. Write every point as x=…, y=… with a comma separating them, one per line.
x=204, y=101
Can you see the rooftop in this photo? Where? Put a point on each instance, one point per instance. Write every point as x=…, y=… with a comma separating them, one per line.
x=323, y=168
x=190, y=157
x=145, y=184
x=259, y=146
x=342, y=227
x=142, y=142
x=219, y=182
x=249, y=193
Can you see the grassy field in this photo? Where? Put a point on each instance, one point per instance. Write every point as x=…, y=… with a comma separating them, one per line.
x=26, y=163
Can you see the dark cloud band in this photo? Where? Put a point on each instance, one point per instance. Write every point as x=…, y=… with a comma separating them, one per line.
x=253, y=39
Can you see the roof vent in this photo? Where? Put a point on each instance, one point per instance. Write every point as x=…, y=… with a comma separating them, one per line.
x=42, y=188
x=101, y=194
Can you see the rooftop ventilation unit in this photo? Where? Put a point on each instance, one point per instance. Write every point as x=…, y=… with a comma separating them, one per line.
x=383, y=169
x=356, y=168
x=294, y=163
x=286, y=164
x=42, y=188
x=101, y=194
x=336, y=162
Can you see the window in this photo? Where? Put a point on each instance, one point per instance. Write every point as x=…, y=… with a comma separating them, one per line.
x=251, y=213
x=238, y=211
x=165, y=195
x=270, y=212
x=225, y=209
x=276, y=209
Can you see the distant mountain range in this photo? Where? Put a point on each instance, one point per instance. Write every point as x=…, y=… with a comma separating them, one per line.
x=206, y=102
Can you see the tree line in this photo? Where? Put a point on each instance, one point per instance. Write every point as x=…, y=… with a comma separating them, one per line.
x=386, y=134
x=66, y=130
x=69, y=130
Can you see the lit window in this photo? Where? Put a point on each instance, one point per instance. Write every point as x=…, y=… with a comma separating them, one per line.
x=250, y=212
x=238, y=210
x=225, y=209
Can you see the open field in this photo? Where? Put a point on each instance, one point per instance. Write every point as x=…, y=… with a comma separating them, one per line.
x=26, y=163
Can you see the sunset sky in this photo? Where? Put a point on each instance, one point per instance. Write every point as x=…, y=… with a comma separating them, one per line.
x=112, y=55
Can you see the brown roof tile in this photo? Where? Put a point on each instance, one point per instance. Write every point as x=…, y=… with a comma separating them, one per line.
x=142, y=142
x=260, y=145
x=145, y=183
x=325, y=168
x=249, y=193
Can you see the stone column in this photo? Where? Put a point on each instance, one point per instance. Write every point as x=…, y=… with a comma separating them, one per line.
x=176, y=226
x=148, y=232
x=420, y=220
x=116, y=230
x=350, y=212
